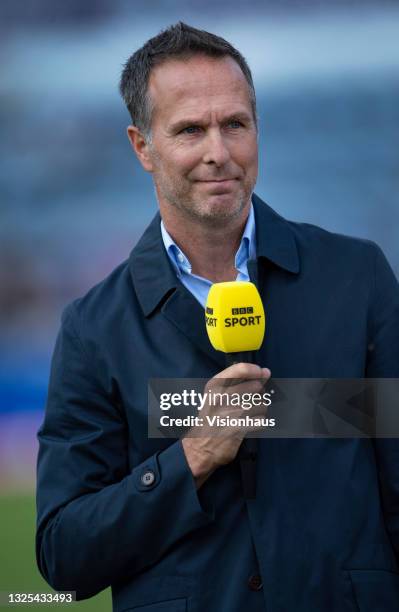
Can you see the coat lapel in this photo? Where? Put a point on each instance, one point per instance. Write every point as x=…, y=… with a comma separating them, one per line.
x=157, y=287
x=187, y=314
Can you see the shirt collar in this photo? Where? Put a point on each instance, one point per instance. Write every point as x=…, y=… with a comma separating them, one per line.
x=246, y=250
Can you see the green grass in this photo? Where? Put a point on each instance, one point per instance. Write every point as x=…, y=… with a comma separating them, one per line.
x=18, y=570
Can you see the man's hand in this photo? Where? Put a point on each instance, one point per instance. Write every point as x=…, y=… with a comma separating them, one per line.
x=205, y=454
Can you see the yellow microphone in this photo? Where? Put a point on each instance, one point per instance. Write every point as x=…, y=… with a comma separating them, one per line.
x=235, y=320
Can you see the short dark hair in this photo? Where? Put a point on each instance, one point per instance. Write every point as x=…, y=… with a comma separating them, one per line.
x=177, y=41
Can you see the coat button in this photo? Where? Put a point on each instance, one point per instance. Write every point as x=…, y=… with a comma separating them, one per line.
x=148, y=478
x=255, y=582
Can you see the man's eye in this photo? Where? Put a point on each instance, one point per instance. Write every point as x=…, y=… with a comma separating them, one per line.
x=234, y=124
x=190, y=129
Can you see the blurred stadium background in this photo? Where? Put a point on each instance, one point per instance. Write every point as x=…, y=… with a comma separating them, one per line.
x=73, y=200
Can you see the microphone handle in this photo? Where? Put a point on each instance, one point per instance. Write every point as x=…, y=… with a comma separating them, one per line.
x=247, y=457
x=248, y=452
x=240, y=357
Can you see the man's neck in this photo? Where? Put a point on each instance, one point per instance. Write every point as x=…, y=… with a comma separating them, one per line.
x=210, y=249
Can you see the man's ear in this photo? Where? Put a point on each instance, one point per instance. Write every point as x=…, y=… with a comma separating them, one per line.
x=140, y=146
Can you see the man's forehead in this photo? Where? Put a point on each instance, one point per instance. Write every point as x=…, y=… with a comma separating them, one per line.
x=196, y=73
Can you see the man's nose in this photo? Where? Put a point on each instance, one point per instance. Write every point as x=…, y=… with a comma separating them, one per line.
x=216, y=151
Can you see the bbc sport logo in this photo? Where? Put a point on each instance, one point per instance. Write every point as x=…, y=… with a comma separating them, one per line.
x=243, y=310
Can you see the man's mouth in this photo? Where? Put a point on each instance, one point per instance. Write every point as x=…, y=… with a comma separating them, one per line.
x=219, y=180
x=220, y=185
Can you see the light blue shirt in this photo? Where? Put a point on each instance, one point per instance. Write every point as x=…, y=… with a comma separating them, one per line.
x=198, y=285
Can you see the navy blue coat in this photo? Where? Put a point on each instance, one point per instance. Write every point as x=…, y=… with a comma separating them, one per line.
x=322, y=534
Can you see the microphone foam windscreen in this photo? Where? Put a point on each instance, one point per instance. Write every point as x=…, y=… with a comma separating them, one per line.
x=234, y=317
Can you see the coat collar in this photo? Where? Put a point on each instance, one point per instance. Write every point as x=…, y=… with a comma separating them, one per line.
x=154, y=278
x=275, y=238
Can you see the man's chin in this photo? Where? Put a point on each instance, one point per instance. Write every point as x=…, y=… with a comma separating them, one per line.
x=221, y=208
x=222, y=214
x=213, y=210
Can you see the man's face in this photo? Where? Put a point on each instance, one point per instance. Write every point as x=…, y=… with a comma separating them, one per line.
x=203, y=153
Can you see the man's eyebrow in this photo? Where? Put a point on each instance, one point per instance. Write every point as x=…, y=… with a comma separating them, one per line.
x=240, y=116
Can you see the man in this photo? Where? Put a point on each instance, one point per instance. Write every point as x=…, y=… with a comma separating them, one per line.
x=166, y=523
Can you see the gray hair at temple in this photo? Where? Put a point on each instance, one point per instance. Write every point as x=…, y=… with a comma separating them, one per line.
x=177, y=41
